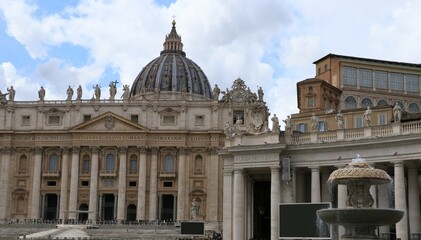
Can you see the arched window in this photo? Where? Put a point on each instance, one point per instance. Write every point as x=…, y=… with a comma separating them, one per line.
x=86, y=163
x=400, y=104
x=169, y=163
x=53, y=162
x=109, y=162
x=382, y=103
x=23, y=163
x=198, y=163
x=350, y=102
x=366, y=102
x=413, y=108
x=133, y=164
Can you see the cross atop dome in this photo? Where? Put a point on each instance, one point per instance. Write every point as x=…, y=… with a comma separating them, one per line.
x=173, y=41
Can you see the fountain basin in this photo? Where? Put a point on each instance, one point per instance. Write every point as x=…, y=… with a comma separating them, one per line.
x=360, y=216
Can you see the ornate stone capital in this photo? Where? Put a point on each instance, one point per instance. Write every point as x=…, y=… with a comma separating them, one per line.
x=65, y=150
x=214, y=149
x=183, y=150
x=154, y=150
x=95, y=149
x=142, y=149
x=122, y=149
x=75, y=149
x=37, y=150
x=6, y=150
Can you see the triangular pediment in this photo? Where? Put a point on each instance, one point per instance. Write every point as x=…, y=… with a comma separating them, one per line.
x=108, y=122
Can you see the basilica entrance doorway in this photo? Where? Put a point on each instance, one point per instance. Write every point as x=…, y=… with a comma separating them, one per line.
x=131, y=212
x=261, y=210
x=50, y=206
x=167, y=207
x=108, y=207
x=83, y=216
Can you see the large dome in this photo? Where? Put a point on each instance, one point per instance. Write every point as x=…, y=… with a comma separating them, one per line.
x=172, y=71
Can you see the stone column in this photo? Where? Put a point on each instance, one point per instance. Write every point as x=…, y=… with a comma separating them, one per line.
x=64, y=183
x=342, y=196
x=141, y=194
x=4, y=182
x=227, y=205
x=414, y=200
x=213, y=188
x=315, y=185
x=238, y=207
x=122, y=184
x=74, y=178
x=383, y=202
x=153, y=185
x=400, y=200
x=275, y=199
x=36, y=184
x=181, y=201
x=93, y=191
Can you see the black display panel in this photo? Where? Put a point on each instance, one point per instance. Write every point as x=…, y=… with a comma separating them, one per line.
x=299, y=220
x=193, y=228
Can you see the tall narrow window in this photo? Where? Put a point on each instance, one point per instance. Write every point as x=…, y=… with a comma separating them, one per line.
x=382, y=119
x=358, y=122
x=86, y=163
x=302, y=127
x=412, y=83
x=53, y=162
x=349, y=76
x=23, y=164
x=168, y=163
x=380, y=78
x=109, y=162
x=133, y=164
x=396, y=81
x=322, y=126
x=198, y=161
x=365, y=77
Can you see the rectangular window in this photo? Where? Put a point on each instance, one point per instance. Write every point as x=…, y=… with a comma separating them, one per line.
x=358, y=122
x=132, y=183
x=381, y=79
x=168, y=120
x=54, y=120
x=167, y=184
x=51, y=183
x=238, y=117
x=86, y=118
x=349, y=76
x=322, y=126
x=382, y=119
x=302, y=127
x=310, y=102
x=134, y=118
x=412, y=83
x=396, y=81
x=26, y=120
x=199, y=120
x=84, y=183
x=365, y=77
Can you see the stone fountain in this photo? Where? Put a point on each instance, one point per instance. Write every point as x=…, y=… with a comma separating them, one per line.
x=359, y=218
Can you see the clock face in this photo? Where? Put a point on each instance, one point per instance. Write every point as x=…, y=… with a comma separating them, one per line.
x=239, y=95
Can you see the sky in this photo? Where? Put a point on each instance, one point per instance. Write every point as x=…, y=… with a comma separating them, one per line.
x=268, y=43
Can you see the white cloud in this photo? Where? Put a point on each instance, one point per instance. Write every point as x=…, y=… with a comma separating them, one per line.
x=24, y=87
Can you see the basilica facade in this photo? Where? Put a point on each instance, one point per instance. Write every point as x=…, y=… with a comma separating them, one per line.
x=147, y=156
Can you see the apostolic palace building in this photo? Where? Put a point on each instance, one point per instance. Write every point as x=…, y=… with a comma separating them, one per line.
x=177, y=148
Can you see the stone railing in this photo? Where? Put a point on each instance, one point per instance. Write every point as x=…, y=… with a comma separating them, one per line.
x=393, y=129
x=108, y=173
x=51, y=173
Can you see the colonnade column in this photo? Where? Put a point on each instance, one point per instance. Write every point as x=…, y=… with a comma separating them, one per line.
x=64, y=183
x=4, y=182
x=121, y=201
x=275, y=199
x=93, y=191
x=414, y=200
x=181, y=200
x=213, y=188
x=153, y=184
x=36, y=184
x=238, y=207
x=315, y=185
x=227, y=205
x=141, y=194
x=74, y=178
x=400, y=200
